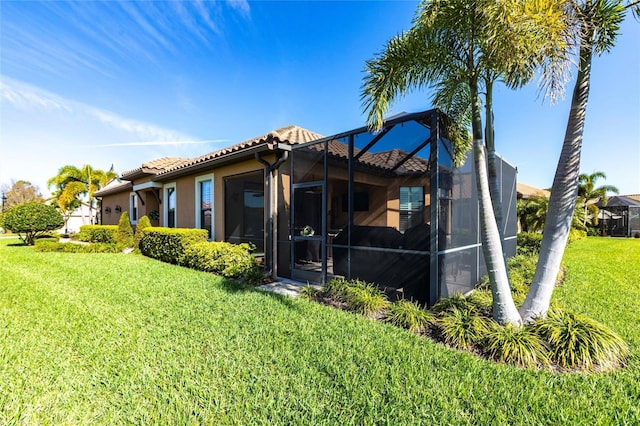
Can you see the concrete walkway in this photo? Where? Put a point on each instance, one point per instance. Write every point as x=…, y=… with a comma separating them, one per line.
x=286, y=287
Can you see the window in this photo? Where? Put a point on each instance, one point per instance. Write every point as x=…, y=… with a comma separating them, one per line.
x=133, y=208
x=244, y=209
x=170, y=205
x=204, y=203
x=411, y=207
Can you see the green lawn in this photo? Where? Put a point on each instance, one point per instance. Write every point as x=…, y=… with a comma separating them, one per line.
x=112, y=338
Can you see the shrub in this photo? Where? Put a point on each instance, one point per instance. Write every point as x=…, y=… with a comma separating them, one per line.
x=168, y=244
x=529, y=243
x=98, y=233
x=576, y=234
x=448, y=304
x=124, y=234
x=143, y=223
x=409, y=315
x=357, y=295
x=47, y=245
x=32, y=219
x=336, y=289
x=576, y=341
x=309, y=292
x=222, y=258
x=515, y=345
x=482, y=300
x=365, y=299
x=463, y=327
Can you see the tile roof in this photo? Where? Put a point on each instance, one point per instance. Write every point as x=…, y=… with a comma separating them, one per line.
x=156, y=166
x=528, y=191
x=289, y=135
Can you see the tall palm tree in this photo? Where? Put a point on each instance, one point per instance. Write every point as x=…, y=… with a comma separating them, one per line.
x=598, y=23
x=459, y=47
x=71, y=183
x=588, y=194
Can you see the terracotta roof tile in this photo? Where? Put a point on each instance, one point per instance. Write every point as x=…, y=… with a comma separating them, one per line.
x=290, y=135
x=156, y=166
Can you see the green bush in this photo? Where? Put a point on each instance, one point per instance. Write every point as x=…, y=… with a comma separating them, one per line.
x=168, y=244
x=365, y=299
x=336, y=289
x=462, y=328
x=143, y=223
x=578, y=342
x=357, y=295
x=529, y=243
x=30, y=220
x=409, y=315
x=482, y=300
x=448, y=304
x=575, y=235
x=48, y=245
x=222, y=258
x=124, y=234
x=98, y=233
x=519, y=346
x=309, y=292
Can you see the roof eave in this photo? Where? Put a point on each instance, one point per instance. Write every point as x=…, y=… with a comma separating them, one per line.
x=225, y=159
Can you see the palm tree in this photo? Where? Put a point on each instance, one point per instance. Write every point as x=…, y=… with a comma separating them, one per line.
x=598, y=23
x=588, y=194
x=532, y=213
x=71, y=183
x=457, y=47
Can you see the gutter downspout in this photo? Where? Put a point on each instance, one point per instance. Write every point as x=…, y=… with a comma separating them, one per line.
x=271, y=200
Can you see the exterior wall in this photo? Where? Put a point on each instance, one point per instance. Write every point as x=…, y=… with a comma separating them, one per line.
x=112, y=201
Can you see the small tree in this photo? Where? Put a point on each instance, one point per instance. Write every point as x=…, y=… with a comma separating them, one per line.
x=124, y=235
x=30, y=220
x=143, y=223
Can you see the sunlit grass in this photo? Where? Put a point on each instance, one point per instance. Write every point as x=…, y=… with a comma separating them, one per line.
x=113, y=339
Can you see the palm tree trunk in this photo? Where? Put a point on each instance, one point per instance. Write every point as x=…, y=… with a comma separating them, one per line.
x=563, y=195
x=494, y=182
x=504, y=309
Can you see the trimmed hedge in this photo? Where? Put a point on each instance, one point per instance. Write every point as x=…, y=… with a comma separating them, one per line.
x=48, y=245
x=222, y=258
x=98, y=233
x=168, y=244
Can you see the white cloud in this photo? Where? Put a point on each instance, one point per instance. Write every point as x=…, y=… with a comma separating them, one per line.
x=28, y=97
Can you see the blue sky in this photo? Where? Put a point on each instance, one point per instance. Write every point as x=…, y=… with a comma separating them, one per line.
x=126, y=82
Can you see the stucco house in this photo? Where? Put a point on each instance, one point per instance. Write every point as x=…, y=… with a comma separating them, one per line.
x=387, y=207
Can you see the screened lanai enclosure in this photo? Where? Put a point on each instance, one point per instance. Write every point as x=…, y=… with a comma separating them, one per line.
x=389, y=208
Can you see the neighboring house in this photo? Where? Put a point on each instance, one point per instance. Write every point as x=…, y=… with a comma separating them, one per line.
x=357, y=204
x=527, y=191
x=621, y=216
x=83, y=215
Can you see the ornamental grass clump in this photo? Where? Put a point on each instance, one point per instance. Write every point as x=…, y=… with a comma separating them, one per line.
x=578, y=342
x=409, y=315
x=515, y=345
x=310, y=293
x=462, y=327
x=365, y=299
x=448, y=304
x=482, y=300
x=336, y=289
